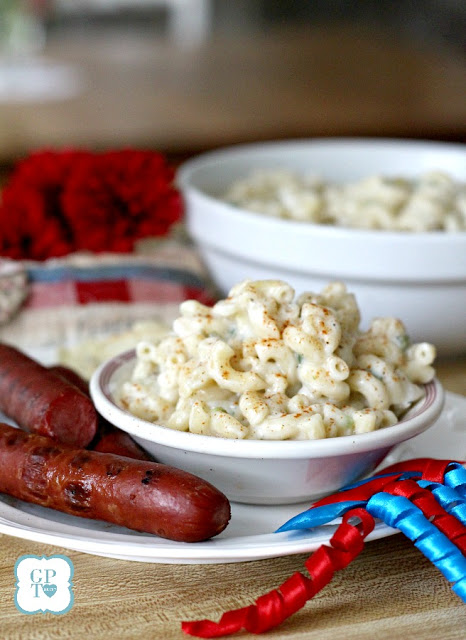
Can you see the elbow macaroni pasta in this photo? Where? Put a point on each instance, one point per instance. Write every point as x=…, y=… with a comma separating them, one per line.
x=264, y=365
x=434, y=201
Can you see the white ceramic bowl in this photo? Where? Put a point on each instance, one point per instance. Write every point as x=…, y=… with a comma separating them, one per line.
x=417, y=277
x=259, y=471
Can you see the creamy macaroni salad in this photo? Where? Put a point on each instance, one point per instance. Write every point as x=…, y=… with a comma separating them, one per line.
x=264, y=365
x=432, y=202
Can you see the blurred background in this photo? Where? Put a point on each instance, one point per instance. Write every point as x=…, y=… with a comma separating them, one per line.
x=183, y=76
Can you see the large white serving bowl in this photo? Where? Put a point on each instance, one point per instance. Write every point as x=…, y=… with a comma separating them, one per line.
x=417, y=277
x=260, y=471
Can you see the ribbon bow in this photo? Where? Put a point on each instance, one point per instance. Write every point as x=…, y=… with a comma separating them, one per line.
x=424, y=498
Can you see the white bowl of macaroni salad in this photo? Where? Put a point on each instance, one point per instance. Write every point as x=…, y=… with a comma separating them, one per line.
x=273, y=397
x=388, y=217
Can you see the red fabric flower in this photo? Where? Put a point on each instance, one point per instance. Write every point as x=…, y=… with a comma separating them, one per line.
x=31, y=225
x=59, y=202
x=119, y=197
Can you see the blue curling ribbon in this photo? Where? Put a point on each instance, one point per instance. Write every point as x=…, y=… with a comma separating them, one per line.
x=455, y=477
x=400, y=513
x=320, y=515
x=448, y=498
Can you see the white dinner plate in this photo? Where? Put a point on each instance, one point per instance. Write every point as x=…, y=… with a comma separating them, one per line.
x=250, y=533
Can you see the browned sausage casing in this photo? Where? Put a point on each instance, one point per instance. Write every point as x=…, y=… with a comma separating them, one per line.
x=71, y=376
x=42, y=402
x=145, y=496
x=108, y=439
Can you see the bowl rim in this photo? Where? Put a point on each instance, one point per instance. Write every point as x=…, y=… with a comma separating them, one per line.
x=419, y=418
x=188, y=168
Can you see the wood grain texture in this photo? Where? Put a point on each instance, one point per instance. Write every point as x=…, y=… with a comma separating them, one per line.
x=315, y=80
x=390, y=591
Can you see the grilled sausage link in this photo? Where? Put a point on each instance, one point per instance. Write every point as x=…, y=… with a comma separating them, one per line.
x=40, y=401
x=108, y=439
x=144, y=496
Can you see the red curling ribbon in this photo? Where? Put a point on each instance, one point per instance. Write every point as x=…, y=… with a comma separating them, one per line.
x=360, y=492
x=277, y=605
x=430, y=468
x=347, y=542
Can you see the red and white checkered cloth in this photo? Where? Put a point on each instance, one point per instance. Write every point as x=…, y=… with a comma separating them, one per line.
x=88, y=296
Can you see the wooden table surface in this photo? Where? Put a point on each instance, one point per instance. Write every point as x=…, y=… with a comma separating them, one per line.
x=390, y=591
x=317, y=80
